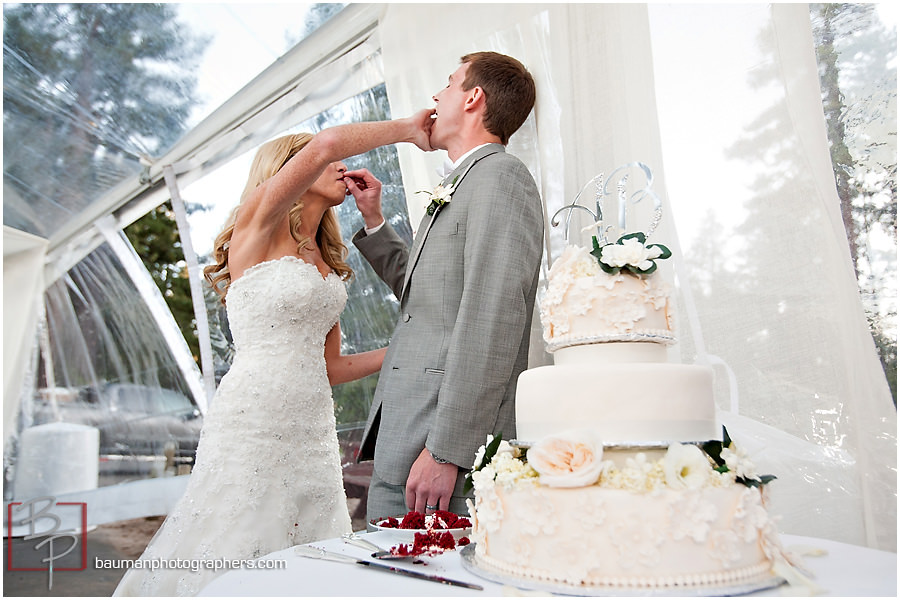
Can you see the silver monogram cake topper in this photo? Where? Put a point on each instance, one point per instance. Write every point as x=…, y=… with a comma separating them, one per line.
x=620, y=177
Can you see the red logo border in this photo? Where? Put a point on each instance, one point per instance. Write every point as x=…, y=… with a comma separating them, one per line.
x=9, y=547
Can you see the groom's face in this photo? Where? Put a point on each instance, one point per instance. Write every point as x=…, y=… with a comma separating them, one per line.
x=450, y=106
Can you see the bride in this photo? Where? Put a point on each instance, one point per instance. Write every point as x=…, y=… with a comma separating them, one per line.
x=268, y=472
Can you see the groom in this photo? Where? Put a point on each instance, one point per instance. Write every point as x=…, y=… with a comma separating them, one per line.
x=466, y=289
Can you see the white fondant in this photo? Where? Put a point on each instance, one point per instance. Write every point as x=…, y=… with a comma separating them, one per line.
x=621, y=402
x=583, y=304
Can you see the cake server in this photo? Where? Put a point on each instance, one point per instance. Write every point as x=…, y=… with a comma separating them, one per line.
x=352, y=538
x=312, y=552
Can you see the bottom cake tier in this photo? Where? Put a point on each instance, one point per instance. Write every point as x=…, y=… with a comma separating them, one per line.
x=592, y=537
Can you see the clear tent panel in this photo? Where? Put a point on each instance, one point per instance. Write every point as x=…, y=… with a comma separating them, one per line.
x=101, y=361
x=372, y=310
x=81, y=104
x=88, y=108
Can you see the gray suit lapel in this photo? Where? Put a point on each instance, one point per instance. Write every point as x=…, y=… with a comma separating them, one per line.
x=457, y=175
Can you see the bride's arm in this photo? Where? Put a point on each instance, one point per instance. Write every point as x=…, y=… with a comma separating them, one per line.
x=275, y=196
x=344, y=368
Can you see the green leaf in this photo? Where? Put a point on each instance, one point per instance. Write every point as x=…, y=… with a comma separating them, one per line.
x=713, y=449
x=608, y=269
x=489, y=451
x=637, y=236
x=666, y=253
x=726, y=439
x=648, y=270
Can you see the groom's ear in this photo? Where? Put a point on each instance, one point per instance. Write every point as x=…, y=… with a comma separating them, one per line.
x=475, y=99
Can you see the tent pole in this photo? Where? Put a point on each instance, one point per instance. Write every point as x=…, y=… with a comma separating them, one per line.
x=145, y=285
x=193, y=264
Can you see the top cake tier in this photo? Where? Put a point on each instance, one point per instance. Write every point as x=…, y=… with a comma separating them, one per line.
x=585, y=305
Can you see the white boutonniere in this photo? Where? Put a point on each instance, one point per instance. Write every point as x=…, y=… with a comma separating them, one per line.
x=438, y=197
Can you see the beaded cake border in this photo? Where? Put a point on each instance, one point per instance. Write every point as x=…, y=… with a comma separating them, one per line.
x=658, y=336
x=732, y=582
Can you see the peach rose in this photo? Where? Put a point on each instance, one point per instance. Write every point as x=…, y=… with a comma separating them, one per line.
x=570, y=459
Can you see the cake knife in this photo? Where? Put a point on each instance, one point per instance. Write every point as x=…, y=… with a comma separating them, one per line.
x=312, y=552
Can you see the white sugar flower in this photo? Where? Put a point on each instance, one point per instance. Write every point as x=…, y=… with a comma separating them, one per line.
x=739, y=463
x=629, y=252
x=484, y=478
x=686, y=467
x=479, y=454
x=505, y=448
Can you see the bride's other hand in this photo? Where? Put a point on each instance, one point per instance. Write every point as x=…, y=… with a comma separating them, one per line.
x=366, y=190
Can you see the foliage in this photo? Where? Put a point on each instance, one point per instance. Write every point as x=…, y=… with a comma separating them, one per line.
x=865, y=168
x=714, y=449
x=76, y=76
x=155, y=239
x=317, y=14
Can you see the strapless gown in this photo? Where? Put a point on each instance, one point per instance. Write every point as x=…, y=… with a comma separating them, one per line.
x=268, y=470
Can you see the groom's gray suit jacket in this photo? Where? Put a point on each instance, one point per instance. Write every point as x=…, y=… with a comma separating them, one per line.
x=466, y=288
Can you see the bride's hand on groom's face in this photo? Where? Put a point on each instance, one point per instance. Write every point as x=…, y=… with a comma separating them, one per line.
x=422, y=122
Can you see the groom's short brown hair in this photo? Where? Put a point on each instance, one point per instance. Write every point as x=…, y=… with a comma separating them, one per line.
x=508, y=88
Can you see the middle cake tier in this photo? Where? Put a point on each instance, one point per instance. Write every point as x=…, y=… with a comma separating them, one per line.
x=624, y=403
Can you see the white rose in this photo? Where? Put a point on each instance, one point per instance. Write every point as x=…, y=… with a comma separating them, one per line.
x=686, y=467
x=629, y=252
x=571, y=459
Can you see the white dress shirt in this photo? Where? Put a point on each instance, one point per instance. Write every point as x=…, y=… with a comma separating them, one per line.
x=448, y=168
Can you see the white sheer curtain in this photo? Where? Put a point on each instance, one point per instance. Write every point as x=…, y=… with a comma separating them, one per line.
x=23, y=283
x=773, y=289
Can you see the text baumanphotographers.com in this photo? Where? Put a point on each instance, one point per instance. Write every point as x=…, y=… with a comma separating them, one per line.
x=194, y=565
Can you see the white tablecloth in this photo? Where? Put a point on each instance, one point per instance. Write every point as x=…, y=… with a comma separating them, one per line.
x=844, y=570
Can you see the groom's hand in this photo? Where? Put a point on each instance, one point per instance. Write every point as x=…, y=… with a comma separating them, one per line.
x=366, y=190
x=430, y=484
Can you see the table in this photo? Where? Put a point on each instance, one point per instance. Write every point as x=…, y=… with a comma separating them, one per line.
x=845, y=570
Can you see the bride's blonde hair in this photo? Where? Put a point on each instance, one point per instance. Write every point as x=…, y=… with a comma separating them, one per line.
x=269, y=159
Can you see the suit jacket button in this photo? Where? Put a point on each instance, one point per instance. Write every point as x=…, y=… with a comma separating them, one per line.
x=405, y=317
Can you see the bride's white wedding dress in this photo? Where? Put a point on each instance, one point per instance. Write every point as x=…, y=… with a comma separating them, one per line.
x=268, y=472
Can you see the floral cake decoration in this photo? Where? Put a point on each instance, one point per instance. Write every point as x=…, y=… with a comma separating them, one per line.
x=575, y=459
x=629, y=252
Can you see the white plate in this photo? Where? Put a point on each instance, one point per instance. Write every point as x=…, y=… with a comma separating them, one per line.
x=409, y=535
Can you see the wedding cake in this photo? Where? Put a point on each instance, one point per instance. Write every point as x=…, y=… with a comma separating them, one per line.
x=620, y=479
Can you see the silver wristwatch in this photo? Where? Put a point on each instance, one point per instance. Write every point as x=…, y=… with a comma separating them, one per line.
x=439, y=461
